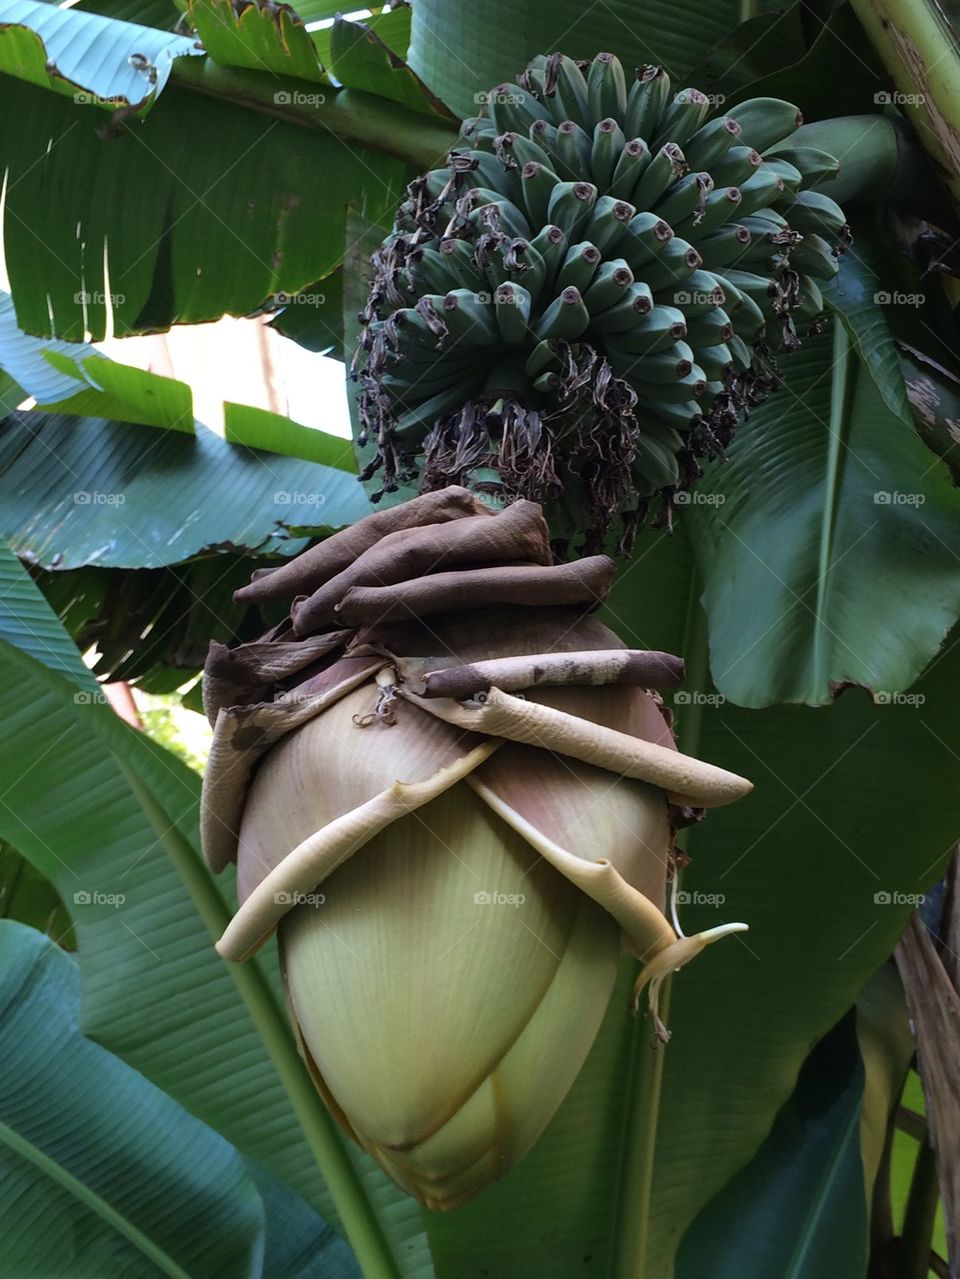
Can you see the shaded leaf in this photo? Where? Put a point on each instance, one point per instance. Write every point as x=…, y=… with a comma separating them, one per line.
x=314, y=317
x=135, y=1184
x=828, y=543
x=81, y=491
x=199, y=210
x=362, y=58
x=261, y=429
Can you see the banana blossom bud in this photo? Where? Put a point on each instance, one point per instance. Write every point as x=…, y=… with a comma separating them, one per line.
x=450, y=791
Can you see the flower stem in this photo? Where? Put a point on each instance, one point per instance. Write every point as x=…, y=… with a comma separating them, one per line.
x=645, y=1076
x=357, y=1217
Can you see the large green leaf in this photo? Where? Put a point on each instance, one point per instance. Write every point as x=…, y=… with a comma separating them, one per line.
x=111, y=818
x=258, y=37
x=199, y=210
x=93, y=59
x=134, y=1183
x=828, y=543
x=81, y=491
x=797, y=1210
x=460, y=50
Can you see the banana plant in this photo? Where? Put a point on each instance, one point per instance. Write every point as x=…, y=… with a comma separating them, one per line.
x=667, y=290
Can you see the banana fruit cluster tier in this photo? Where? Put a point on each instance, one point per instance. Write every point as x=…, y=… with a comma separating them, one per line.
x=452, y=792
x=585, y=299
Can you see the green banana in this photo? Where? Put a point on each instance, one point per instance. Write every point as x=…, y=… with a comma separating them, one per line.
x=633, y=160
x=570, y=205
x=659, y=328
x=484, y=169
x=439, y=272
x=544, y=134
x=469, y=319
x=607, y=147
x=510, y=107
x=739, y=164
x=646, y=235
x=691, y=387
x=677, y=261
x=766, y=121
x=809, y=211
x=710, y=328
x=566, y=317
x=578, y=267
x=725, y=246
x=570, y=89
x=763, y=189
x=670, y=365
x=646, y=101
x=679, y=417
x=508, y=218
x=606, y=88
x=816, y=166
x=765, y=292
x=526, y=264
x=546, y=382
x=719, y=207
x=544, y=358
x=813, y=256
x=791, y=175
x=682, y=118
x=419, y=419
x=665, y=167
x=608, y=221
x=551, y=244
x=655, y=467
x=514, y=150
x=626, y=314
x=809, y=301
x=685, y=198
x=536, y=186
x=711, y=142
x=573, y=150
x=511, y=304
x=609, y=285
x=716, y=361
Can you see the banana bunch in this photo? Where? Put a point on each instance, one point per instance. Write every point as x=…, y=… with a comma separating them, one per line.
x=584, y=300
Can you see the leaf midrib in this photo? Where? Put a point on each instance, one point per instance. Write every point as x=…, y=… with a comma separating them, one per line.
x=90, y=1199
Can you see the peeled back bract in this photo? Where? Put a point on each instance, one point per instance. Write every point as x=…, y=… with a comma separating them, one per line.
x=454, y=801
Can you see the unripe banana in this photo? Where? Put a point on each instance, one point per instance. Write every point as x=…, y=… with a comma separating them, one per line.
x=813, y=256
x=738, y=165
x=816, y=166
x=810, y=211
x=413, y=423
x=666, y=166
x=646, y=101
x=711, y=142
x=608, y=144
x=625, y=315
x=766, y=121
x=512, y=305
x=633, y=160
x=601, y=247
x=606, y=88
x=608, y=222
x=570, y=206
x=682, y=118
x=609, y=286
x=566, y=317
x=579, y=266
x=686, y=198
